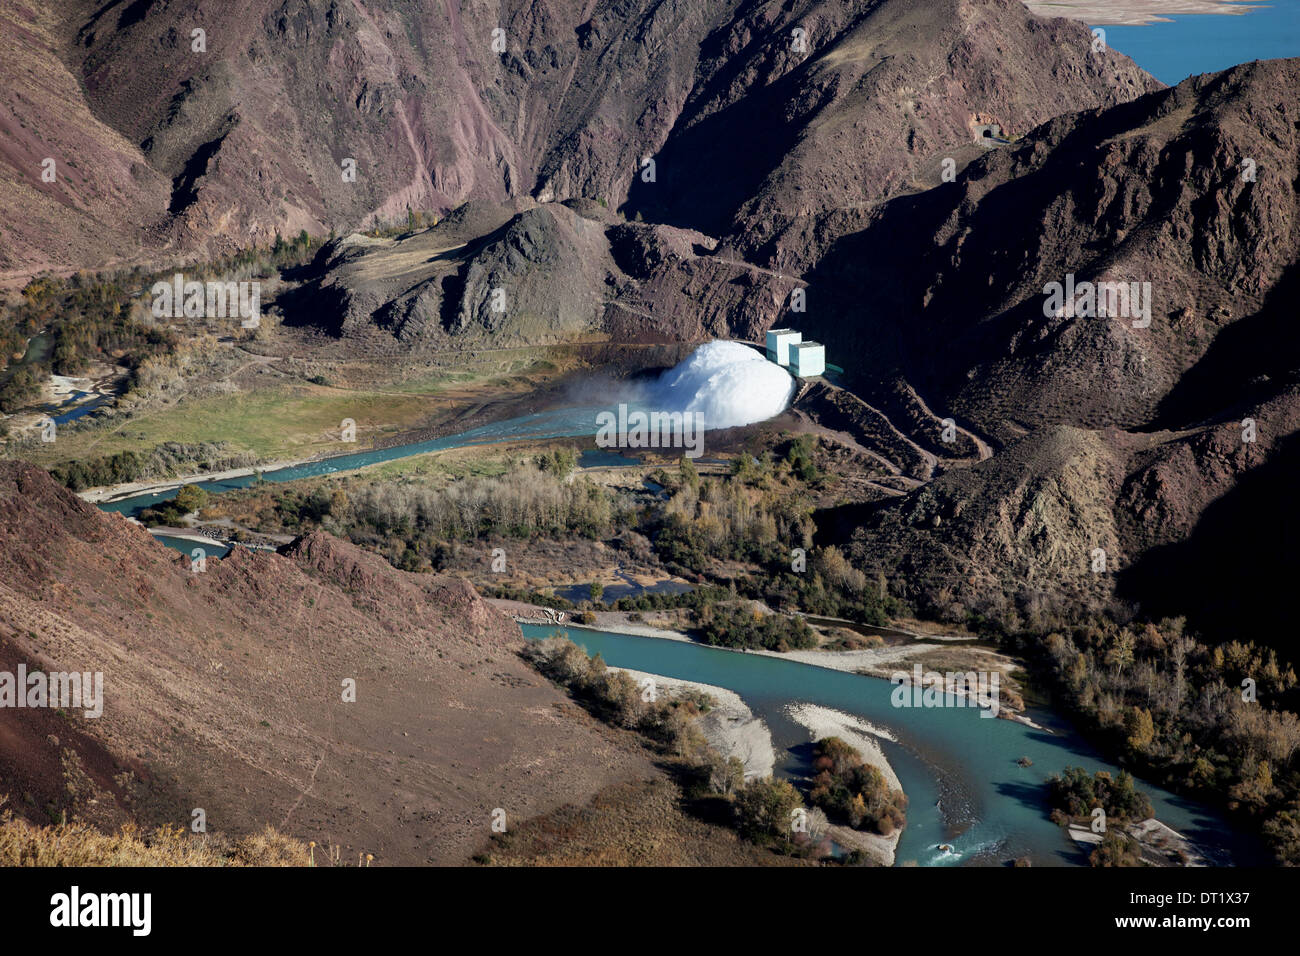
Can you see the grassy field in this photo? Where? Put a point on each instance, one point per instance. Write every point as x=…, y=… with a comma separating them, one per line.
x=278, y=423
x=452, y=464
x=495, y=369
x=294, y=421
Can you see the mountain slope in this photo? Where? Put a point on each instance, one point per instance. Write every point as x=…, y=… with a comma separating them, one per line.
x=103, y=196
x=1150, y=191
x=772, y=140
x=1166, y=445
x=253, y=127
x=224, y=690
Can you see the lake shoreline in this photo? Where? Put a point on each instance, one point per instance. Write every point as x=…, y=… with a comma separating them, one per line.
x=1137, y=13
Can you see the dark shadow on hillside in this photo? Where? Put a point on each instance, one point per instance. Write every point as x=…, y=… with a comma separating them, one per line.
x=1249, y=361
x=312, y=306
x=707, y=171
x=835, y=525
x=1232, y=575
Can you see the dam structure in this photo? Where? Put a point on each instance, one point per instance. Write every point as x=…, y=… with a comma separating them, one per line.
x=787, y=348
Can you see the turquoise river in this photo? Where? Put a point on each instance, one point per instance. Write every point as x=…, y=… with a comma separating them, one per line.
x=959, y=770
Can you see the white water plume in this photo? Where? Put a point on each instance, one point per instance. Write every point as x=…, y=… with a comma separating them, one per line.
x=730, y=383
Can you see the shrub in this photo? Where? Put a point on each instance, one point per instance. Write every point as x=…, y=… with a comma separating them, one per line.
x=1076, y=795
x=849, y=789
x=763, y=808
x=190, y=498
x=743, y=627
x=1116, y=849
x=77, y=844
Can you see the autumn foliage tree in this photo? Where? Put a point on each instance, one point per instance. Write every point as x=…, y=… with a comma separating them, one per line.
x=848, y=788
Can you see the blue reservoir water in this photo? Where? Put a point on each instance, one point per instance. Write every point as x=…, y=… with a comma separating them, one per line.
x=1189, y=45
x=958, y=769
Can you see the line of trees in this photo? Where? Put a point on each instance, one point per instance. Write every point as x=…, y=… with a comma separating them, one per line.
x=167, y=460
x=615, y=698
x=1215, y=721
x=524, y=503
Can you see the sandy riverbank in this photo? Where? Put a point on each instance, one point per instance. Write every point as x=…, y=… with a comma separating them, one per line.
x=853, y=662
x=185, y=534
x=883, y=662
x=862, y=736
x=855, y=731
x=129, y=489
x=1161, y=844
x=730, y=726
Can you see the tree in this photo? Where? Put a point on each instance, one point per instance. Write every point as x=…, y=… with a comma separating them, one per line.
x=1283, y=831
x=818, y=825
x=191, y=498
x=836, y=755
x=726, y=774
x=1120, y=655
x=763, y=808
x=690, y=476
x=1139, y=728
x=837, y=571
x=801, y=458
x=1255, y=789
x=857, y=810
x=1116, y=849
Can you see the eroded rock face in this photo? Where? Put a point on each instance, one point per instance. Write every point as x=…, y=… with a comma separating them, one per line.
x=776, y=141
x=539, y=276
x=306, y=116
x=1151, y=192
x=1195, y=523
x=1144, y=441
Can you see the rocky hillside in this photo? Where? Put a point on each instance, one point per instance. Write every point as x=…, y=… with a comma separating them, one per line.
x=667, y=171
x=1139, y=441
x=224, y=691
x=1190, y=189
x=73, y=189
x=759, y=116
x=773, y=140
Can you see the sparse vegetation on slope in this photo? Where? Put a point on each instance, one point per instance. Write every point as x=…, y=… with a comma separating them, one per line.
x=75, y=844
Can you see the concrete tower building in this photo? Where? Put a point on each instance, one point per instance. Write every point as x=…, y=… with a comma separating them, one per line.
x=779, y=342
x=808, y=359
